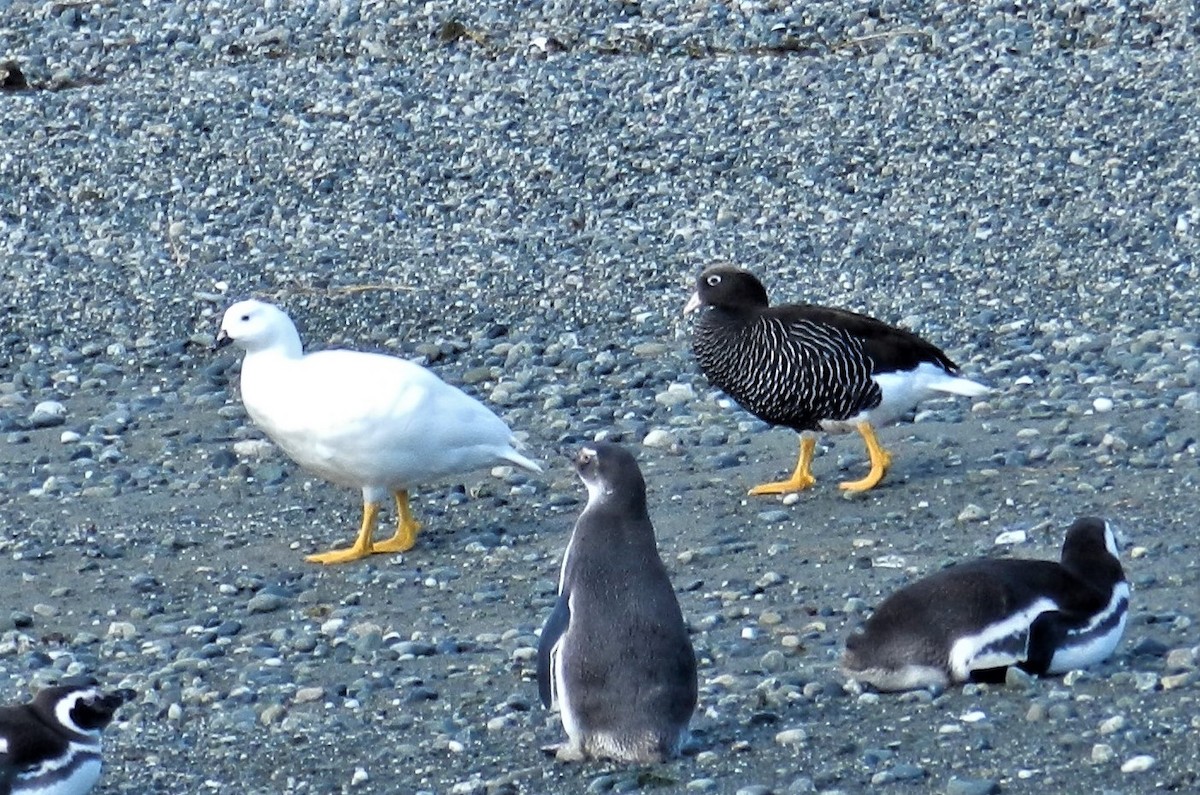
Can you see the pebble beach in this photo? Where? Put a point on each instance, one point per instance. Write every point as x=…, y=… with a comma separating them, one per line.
x=519, y=196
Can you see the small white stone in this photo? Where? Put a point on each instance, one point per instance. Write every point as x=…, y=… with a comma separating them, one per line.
x=675, y=395
x=122, y=630
x=973, y=716
x=1011, y=537
x=972, y=513
x=1138, y=764
x=791, y=737
x=1113, y=724
x=306, y=694
x=360, y=776
x=500, y=723
x=658, y=438
x=1102, y=405
x=69, y=437
x=1102, y=753
x=50, y=408
x=524, y=654
x=253, y=448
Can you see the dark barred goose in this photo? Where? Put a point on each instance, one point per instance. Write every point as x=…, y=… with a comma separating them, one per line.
x=813, y=368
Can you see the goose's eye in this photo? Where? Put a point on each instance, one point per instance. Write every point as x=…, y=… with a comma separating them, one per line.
x=713, y=280
x=245, y=318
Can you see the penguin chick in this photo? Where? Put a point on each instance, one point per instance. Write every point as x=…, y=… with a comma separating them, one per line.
x=615, y=654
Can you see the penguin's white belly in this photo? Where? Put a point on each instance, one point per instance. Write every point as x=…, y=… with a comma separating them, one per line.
x=566, y=707
x=1092, y=644
x=44, y=780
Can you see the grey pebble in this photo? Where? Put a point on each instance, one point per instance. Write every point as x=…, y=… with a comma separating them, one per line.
x=900, y=772
x=48, y=414
x=265, y=603
x=971, y=786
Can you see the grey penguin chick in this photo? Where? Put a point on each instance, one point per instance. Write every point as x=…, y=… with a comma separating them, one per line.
x=972, y=621
x=615, y=654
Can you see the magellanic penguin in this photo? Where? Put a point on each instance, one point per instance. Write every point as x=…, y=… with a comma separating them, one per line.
x=51, y=745
x=374, y=422
x=615, y=654
x=814, y=368
x=972, y=621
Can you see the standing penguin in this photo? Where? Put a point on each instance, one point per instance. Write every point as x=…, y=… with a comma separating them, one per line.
x=51, y=745
x=615, y=654
x=973, y=620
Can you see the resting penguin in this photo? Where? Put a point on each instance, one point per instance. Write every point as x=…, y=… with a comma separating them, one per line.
x=615, y=654
x=51, y=745
x=972, y=621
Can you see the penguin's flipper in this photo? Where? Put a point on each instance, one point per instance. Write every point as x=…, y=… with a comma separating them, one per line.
x=990, y=676
x=1045, y=635
x=553, y=629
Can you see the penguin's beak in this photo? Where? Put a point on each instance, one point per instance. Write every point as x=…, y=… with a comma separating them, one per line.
x=693, y=304
x=222, y=340
x=1120, y=539
x=118, y=697
x=584, y=459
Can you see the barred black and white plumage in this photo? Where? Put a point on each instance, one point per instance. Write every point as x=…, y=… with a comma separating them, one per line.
x=51, y=745
x=813, y=368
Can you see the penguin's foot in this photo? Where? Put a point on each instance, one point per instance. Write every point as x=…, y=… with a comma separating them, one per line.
x=565, y=752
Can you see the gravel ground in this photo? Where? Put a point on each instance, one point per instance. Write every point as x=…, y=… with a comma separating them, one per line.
x=521, y=198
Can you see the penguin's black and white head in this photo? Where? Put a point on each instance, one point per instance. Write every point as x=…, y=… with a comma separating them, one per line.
x=611, y=475
x=729, y=288
x=79, y=706
x=1092, y=549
